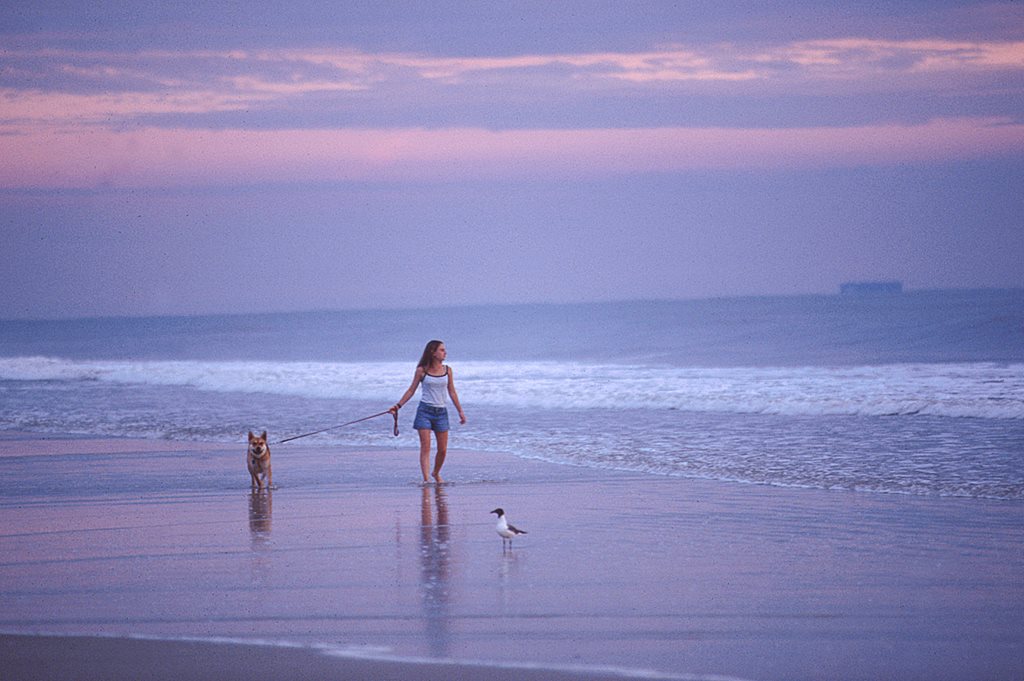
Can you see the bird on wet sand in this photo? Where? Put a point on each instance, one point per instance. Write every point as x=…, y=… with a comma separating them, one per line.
x=506, y=531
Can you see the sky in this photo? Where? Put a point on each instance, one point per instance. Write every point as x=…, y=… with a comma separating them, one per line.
x=250, y=157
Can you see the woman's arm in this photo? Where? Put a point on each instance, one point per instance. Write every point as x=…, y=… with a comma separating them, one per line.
x=416, y=378
x=454, y=395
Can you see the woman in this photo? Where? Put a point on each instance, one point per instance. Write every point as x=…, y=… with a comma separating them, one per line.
x=432, y=413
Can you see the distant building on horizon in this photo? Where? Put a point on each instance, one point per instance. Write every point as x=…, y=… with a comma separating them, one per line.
x=854, y=288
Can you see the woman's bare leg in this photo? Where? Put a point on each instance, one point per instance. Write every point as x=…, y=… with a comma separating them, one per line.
x=442, y=451
x=424, y=453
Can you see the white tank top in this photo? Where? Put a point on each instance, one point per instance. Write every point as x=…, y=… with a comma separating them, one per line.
x=435, y=390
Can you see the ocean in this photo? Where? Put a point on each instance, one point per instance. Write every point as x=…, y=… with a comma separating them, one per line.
x=917, y=393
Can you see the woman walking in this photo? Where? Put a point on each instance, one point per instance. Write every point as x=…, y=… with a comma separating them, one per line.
x=437, y=379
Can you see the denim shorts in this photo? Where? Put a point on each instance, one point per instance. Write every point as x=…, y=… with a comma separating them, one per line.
x=431, y=418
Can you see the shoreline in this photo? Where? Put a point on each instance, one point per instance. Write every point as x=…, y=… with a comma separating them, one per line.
x=620, y=572
x=39, y=443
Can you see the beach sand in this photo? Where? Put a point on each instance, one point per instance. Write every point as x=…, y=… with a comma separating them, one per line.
x=147, y=559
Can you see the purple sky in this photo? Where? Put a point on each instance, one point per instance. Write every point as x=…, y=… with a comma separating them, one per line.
x=159, y=158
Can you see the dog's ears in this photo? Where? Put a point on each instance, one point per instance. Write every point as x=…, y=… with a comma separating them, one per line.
x=251, y=436
x=264, y=436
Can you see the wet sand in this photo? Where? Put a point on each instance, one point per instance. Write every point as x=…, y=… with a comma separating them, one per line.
x=351, y=569
x=45, y=658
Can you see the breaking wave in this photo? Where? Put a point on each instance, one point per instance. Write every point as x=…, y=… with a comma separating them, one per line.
x=973, y=390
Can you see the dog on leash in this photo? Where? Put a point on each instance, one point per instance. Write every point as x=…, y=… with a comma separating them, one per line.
x=258, y=461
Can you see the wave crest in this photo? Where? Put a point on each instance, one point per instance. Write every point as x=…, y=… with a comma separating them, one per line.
x=975, y=390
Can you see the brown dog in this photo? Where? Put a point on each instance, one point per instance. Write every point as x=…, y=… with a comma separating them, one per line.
x=258, y=460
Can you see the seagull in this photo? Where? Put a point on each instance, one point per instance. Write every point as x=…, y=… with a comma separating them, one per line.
x=504, y=529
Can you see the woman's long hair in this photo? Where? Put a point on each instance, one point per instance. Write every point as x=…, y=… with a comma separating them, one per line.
x=428, y=353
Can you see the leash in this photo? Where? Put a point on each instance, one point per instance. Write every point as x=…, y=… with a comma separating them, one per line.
x=324, y=430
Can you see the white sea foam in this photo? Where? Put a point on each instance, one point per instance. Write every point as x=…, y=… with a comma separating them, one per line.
x=779, y=426
x=977, y=390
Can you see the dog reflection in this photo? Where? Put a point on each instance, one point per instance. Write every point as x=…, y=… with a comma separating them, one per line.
x=261, y=506
x=260, y=511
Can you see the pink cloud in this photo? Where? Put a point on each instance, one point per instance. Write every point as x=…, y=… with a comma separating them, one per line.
x=249, y=78
x=866, y=55
x=716, y=62
x=160, y=157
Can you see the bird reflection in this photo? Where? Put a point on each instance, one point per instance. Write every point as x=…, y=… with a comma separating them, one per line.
x=435, y=554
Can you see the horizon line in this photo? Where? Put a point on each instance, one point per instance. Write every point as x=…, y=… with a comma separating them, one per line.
x=538, y=303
